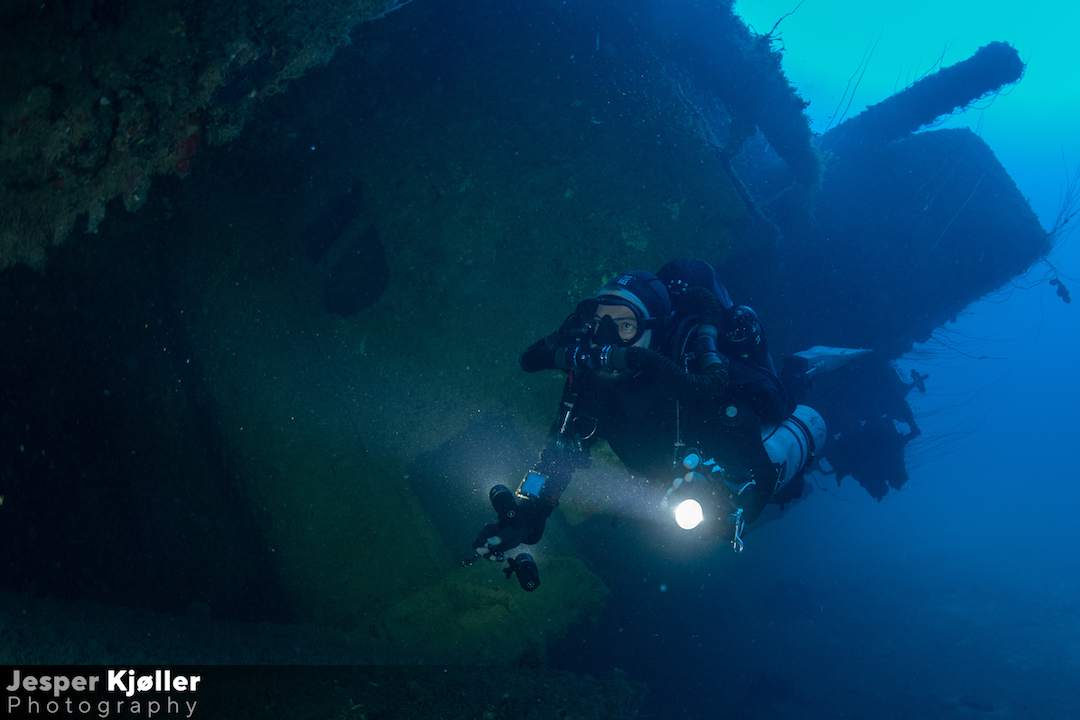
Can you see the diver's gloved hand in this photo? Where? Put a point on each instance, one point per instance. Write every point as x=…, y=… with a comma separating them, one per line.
x=540, y=355
x=575, y=328
x=519, y=522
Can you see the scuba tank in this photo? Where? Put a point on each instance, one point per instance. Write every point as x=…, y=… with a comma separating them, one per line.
x=792, y=444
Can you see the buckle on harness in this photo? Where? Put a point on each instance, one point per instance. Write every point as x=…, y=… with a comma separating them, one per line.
x=740, y=523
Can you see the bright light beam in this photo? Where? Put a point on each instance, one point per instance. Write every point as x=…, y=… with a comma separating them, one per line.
x=688, y=514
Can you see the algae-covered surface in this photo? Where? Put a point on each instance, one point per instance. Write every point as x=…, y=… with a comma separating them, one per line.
x=98, y=100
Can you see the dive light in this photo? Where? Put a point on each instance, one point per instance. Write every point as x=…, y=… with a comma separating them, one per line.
x=688, y=514
x=704, y=495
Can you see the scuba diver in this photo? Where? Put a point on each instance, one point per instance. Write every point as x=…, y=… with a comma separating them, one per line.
x=679, y=382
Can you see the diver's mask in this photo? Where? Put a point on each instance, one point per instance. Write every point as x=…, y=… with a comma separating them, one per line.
x=625, y=331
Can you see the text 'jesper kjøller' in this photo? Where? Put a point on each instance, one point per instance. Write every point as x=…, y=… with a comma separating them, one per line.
x=124, y=682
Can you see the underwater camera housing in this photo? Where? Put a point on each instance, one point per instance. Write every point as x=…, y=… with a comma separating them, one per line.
x=506, y=507
x=504, y=502
x=527, y=572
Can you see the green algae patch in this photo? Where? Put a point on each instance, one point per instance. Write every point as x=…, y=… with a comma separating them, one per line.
x=480, y=616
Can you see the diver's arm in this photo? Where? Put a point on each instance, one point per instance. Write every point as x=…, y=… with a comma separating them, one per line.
x=712, y=381
x=557, y=465
x=522, y=515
